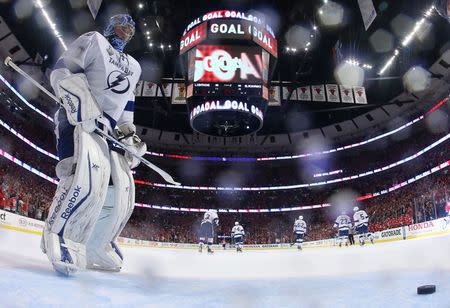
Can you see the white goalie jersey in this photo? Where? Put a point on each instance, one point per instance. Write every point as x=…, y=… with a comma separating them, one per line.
x=112, y=75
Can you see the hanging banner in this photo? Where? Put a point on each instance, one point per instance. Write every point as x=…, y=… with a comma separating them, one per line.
x=332, y=93
x=179, y=93
x=304, y=93
x=360, y=95
x=139, y=86
x=94, y=6
x=318, y=93
x=274, y=96
x=166, y=88
x=289, y=93
x=368, y=12
x=149, y=89
x=346, y=94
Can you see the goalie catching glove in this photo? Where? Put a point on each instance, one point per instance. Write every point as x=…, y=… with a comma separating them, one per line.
x=126, y=133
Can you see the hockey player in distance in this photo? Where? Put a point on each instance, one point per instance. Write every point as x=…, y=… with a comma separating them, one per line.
x=237, y=233
x=361, y=220
x=343, y=224
x=299, y=231
x=210, y=219
x=95, y=81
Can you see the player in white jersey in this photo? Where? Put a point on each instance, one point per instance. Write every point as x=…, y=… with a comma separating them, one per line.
x=361, y=221
x=238, y=233
x=95, y=81
x=210, y=219
x=343, y=224
x=299, y=231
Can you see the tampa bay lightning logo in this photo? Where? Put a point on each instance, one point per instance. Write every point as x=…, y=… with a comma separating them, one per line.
x=118, y=82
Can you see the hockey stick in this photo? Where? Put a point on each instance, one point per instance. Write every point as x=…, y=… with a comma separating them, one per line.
x=167, y=177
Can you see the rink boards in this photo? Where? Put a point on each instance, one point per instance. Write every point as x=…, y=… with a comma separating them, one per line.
x=430, y=228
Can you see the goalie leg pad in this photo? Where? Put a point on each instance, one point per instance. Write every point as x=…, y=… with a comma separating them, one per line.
x=102, y=251
x=78, y=199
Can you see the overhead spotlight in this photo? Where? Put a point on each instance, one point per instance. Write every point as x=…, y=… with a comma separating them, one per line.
x=162, y=46
x=396, y=52
x=145, y=24
x=331, y=14
x=306, y=48
x=417, y=79
x=294, y=49
x=148, y=32
x=140, y=5
x=170, y=46
x=148, y=37
x=312, y=35
x=150, y=44
x=288, y=49
x=309, y=43
x=314, y=28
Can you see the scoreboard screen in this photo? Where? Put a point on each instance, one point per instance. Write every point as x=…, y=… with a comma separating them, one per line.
x=228, y=57
x=218, y=63
x=217, y=70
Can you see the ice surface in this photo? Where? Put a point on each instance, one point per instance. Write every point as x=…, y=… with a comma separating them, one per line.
x=381, y=275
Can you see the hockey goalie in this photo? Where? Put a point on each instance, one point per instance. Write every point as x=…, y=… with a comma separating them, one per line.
x=94, y=80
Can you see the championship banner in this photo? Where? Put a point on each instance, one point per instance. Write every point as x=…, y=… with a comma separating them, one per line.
x=304, y=93
x=332, y=93
x=94, y=6
x=149, y=89
x=289, y=93
x=318, y=93
x=360, y=95
x=368, y=12
x=274, y=96
x=346, y=94
x=139, y=86
x=166, y=88
x=179, y=93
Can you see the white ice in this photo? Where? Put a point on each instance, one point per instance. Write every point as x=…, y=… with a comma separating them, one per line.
x=381, y=275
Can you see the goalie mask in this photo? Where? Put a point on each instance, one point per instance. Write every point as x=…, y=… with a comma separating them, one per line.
x=119, y=31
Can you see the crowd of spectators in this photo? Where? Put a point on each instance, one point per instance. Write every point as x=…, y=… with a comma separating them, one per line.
x=387, y=211
x=25, y=193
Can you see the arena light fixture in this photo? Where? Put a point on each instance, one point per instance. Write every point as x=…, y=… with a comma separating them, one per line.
x=51, y=24
x=407, y=39
x=141, y=6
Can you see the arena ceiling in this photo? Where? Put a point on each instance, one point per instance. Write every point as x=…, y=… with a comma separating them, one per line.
x=161, y=23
